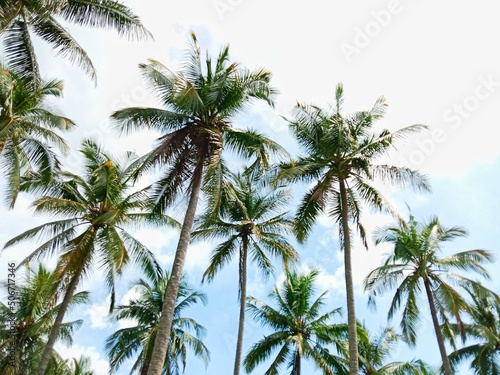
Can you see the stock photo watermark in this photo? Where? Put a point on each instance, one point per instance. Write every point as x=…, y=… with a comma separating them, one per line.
x=12, y=305
x=454, y=117
x=363, y=36
x=221, y=7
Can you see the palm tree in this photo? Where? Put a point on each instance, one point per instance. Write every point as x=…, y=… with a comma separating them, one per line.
x=415, y=264
x=27, y=130
x=484, y=329
x=374, y=351
x=20, y=18
x=138, y=340
x=300, y=330
x=37, y=304
x=250, y=223
x=196, y=125
x=340, y=156
x=80, y=366
x=94, y=210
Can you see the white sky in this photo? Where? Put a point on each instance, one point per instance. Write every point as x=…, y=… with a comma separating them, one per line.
x=437, y=63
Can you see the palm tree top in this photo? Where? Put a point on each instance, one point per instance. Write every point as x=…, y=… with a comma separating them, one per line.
x=300, y=328
x=483, y=328
x=416, y=265
x=343, y=149
x=195, y=123
x=19, y=19
x=93, y=212
x=145, y=310
x=421, y=243
x=29, y=130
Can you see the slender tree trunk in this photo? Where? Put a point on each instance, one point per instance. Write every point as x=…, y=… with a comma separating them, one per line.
x=299, y=370
x=167, y=312
x=243, y=295
x=437, y=329
x=49, y=347
x=351, y=311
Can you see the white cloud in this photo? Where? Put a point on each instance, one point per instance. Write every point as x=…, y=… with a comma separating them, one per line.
x=98, y=363
x=133, y=293
x=156, y=239
x=99, y=314
x=198, y=256
x=126, y=323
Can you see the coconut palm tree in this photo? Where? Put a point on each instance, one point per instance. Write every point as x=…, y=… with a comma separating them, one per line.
x=93, y=211
x=300, y=329
x=138, y=341
x=484, y=329
x=77, y=366
x=375, y=350
x=20, y=19
x=196, y=126
x=38, y=300
x=250, y=223
x=27, y=130
x=414, y=265
x=340, y=156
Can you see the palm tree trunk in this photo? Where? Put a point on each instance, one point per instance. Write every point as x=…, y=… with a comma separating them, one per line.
x=437, y=329
x=351, y=311
x=243, y=295
x=49, y=347
x=298, y=363
x=167, y=312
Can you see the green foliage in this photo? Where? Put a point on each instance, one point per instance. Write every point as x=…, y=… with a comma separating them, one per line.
x=249, y=214
x=145, y=310
x=415, y=261
x=299, y=329
x=196, y=120
x=28, y=131
x=344, y=148
x=38, y=300
x=93, y=211
x=375, y=350
x=20, y=19
x=484, y=329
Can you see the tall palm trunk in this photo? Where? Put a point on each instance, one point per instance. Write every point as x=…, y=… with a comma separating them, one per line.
x=437, y=329
x=298, y=369
x=351, y=312
x=49, y=347
x=167, y=312
x=243, y=297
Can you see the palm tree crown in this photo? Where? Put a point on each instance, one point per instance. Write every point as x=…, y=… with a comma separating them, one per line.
x=375, y=350
x=415, y=263
x=27, y=130
x=484, y=329
x=37, y=304
x=300, y=329
x=196, y=122
x=138, y=340
x=19, y=18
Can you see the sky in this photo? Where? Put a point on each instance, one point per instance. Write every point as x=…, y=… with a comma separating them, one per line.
x=435, y=62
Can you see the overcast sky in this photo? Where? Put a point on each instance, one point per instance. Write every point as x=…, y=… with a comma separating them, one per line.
x=437, y=63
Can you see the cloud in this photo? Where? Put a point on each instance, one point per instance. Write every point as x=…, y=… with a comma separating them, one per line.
x=156, y=239
x=99, y=365
x=198, y=256
x=133, y=293
x=99, y=314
